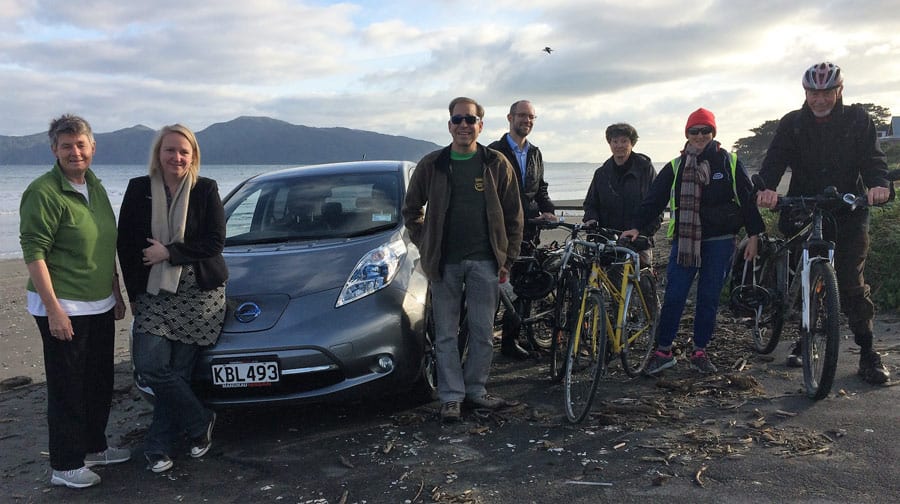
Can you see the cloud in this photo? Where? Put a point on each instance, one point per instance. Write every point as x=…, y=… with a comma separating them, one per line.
x=392, y=66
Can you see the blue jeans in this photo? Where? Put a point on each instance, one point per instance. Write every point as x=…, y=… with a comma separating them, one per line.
x=481, y=284
x=166, y=367
x=715, y=263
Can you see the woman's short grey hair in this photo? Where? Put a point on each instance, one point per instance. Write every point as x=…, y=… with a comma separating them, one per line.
x=69, y=124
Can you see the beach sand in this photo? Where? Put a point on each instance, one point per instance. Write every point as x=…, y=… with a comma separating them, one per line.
x=21, y=352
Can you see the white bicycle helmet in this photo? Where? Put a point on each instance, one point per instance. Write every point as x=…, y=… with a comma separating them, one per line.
x=825, y=75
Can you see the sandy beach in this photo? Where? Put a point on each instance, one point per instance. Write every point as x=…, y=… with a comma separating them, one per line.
x=21, y=353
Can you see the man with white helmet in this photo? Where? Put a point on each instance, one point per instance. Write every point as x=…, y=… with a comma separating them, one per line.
x=826, y=143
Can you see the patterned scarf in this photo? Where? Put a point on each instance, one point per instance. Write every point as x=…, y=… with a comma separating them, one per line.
x=167, y=224
x=693, y=177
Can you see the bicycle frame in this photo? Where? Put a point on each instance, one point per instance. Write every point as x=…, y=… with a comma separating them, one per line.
x=599, y=281
x=814, y=248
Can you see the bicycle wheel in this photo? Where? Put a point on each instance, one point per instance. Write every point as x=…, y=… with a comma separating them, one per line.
x=639, y=329
x=586, y=358
x=539, y=329
x=568, y=299
x=768, y=319
x=820, y=343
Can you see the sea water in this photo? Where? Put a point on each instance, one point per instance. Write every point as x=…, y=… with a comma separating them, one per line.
x=567, y=182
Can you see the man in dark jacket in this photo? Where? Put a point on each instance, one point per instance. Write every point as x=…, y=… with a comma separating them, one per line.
x=828, y=144
x=467, y=241
x=528, y=165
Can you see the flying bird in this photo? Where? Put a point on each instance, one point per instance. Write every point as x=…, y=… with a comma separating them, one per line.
x=548, y=50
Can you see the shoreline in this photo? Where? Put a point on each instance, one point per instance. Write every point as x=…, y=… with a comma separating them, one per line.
x=21, y=350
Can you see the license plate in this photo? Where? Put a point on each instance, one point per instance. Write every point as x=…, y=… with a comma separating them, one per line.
x=245, y=374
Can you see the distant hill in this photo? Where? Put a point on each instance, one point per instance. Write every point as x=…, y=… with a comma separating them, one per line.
x=245, y=140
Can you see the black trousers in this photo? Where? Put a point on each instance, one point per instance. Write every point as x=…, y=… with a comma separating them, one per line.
x=79, y=388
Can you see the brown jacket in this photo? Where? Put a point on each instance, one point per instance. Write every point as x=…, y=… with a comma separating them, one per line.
x=430, y=185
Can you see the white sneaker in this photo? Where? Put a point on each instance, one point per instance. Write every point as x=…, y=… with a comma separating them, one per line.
x=75, y=478
x=111, y=455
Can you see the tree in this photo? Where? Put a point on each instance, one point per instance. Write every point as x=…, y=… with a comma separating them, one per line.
x=880, y=115
x=752, y=149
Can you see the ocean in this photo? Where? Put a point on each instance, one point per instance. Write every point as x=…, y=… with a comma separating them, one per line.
x=567, y=181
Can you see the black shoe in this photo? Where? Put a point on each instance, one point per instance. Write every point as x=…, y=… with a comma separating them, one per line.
x=511, y=349
x=158, y=462
x=201, y=445
x=871, y=368
x=795, y=359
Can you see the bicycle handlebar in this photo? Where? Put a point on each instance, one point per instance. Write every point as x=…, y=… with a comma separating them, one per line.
x=830, y=195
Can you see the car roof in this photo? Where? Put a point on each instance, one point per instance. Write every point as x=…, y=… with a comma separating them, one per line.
x=337, y=168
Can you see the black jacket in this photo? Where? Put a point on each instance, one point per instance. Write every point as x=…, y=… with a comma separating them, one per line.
x=535, y=198
x=842, y=151
x=720, y=215
x=204, y=235
x=614, y=197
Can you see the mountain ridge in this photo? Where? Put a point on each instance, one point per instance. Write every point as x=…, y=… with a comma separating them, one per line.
x=243, y=140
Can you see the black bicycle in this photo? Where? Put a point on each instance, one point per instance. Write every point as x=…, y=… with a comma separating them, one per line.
x=776, y=286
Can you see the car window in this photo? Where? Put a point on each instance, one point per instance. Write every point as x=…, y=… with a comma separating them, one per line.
x=312, y=208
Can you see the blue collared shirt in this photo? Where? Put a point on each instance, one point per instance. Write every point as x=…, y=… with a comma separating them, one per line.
x=521, y=155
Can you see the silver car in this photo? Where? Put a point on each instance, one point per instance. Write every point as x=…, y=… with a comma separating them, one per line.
x=324, y=297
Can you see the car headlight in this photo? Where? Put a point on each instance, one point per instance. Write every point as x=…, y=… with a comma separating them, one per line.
x=375, y=271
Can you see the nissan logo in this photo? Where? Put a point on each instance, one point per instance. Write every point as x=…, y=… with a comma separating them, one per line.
x=247, y=312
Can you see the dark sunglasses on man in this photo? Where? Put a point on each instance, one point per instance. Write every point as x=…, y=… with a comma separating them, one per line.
x=458, y=119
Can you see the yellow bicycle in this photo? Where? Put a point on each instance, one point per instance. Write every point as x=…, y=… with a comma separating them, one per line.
x=617, y=316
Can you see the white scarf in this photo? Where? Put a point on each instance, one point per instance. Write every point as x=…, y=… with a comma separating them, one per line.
x=167, y=226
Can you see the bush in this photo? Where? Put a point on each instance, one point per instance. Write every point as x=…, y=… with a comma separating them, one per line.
x=882, y=273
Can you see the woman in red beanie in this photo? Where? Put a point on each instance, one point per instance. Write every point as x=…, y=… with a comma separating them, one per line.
x=710, y=197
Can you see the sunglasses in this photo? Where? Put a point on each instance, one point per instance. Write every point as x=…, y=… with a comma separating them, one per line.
x=458, y=119
x=706, y=130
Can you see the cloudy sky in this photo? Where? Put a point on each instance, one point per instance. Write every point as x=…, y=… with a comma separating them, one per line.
x=392, y=66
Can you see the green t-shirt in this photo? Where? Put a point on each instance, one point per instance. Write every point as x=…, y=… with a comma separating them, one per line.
x=467, y=236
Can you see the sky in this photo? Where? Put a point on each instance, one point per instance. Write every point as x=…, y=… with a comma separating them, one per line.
x=393, y=66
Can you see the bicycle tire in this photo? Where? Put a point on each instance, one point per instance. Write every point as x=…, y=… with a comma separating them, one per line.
x=539, y=332
x=768, y=321
x=639, y=328
x=568, y=299
x=586, y=358
x=820, y=344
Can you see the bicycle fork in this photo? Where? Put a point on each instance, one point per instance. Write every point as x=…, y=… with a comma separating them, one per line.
x=806, y=291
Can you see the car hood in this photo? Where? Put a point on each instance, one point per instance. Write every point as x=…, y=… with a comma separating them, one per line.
x=296, y=268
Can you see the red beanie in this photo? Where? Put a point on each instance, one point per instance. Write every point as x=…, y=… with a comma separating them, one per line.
x=701, y=117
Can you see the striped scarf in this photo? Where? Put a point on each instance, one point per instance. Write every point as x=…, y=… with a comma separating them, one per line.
x=693, y=177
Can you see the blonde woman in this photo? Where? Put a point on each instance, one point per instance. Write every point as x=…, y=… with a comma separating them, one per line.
x=171, y=235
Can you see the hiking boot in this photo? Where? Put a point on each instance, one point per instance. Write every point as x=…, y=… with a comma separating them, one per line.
x=158, y=462
x=871, y=368
x=658, y=361
x=450, y=411
x=75, y=478
x=201, y=445
x=700, y=361
x=111, y=455
x=510, y=348
x=795, y=359
x=488, y=401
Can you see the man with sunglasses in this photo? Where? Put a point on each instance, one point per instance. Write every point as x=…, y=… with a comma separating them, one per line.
x=528, y=165
x=467, y=242
x=829, y=144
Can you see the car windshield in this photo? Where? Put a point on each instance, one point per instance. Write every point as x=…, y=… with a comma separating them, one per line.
x=313, y=207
